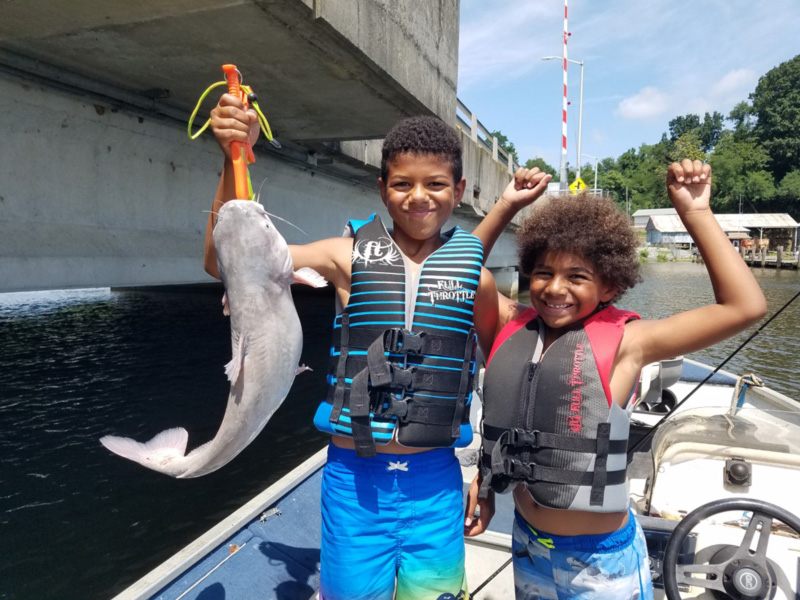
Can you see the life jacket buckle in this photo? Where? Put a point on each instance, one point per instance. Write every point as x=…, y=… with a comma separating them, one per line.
x=516, y=469
x=398, y=406
x=403, y=378
x=517, y=438
x=402, y=341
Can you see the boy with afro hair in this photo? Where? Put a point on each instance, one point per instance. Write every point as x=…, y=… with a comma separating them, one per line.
x=412, y=301
x=561, y=377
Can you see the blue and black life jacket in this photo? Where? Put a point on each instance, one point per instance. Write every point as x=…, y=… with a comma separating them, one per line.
x=549, y=420
x=403, y=350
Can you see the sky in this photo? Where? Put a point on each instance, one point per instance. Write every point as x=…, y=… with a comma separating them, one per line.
x=645, y=62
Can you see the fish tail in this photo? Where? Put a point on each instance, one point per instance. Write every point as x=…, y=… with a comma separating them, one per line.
x=157, y=454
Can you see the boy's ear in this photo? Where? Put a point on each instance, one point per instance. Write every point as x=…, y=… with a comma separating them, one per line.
x=458, y=192
x=607, y=292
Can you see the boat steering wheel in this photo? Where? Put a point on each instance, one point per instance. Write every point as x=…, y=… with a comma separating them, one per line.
x=741, y=574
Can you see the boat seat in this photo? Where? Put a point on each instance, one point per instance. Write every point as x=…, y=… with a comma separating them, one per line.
x=654, y=395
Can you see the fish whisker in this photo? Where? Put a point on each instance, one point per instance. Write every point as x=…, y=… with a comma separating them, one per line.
x=257, y=196
x=287, y=222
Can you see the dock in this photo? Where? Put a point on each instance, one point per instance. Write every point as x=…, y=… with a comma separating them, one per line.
x=770, y=260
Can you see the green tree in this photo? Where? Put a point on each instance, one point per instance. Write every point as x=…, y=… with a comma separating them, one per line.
x=740, y=173
x=628, y=162
x=613, y=183
x=688, y=146
x=543, y=166
x=681, y=125
x=789, y=193
x=743, y=118
x=710, y=131
x=776, y=103
x=506, y=144
x=760, y=186
x=707, y=131
x=790, y=185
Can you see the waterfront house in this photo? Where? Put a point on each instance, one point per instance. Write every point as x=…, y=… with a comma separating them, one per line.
x=781, y=228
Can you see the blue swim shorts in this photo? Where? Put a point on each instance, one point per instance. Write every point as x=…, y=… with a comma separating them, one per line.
x=392, y=519
x=584, y=567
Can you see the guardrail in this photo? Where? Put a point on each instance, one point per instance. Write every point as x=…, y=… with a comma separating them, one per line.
x=467, y=121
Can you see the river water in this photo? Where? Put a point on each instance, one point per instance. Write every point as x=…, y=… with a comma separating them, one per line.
x=79, y=523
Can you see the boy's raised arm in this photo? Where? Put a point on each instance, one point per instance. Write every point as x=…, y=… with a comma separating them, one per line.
x=524, y=189
x=230, y=123
x=739, y=300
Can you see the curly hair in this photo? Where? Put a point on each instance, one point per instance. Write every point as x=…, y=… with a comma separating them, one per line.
x=589, y=226
x=423, y=135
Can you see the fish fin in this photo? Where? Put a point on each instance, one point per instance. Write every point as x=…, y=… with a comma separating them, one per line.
x=301, y=369
x=164, y=447
x=233, y=368
x=198, y=450
x=309, y=276
x=226, y=309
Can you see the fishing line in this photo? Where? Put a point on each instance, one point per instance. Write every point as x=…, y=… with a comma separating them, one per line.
x=492, y=576
x=650, y=433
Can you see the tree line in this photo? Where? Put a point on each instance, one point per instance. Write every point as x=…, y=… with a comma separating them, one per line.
x=754, y=152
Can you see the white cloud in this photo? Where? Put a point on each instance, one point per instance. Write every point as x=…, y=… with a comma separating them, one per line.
x=649, y=102
x=739, y=83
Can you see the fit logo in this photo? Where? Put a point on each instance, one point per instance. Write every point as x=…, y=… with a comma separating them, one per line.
x=380, y=251
x=449, y=289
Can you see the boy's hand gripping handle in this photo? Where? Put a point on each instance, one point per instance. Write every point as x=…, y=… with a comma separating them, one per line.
x=238, y=149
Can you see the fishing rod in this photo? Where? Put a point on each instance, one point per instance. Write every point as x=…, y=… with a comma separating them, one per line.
x=650, y=433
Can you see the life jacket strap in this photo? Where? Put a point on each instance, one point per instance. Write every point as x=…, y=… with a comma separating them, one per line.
x=509, y=445
x=379, y=373
x=398, y=340
x=519, y=438
x=531, y=473
x=341, y=369
x=461, y=401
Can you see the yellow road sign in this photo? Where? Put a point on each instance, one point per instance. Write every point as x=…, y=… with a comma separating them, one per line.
x=577, y=185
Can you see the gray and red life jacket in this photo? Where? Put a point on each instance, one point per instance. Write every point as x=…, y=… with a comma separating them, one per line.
x=403, y=350
x=549, y=420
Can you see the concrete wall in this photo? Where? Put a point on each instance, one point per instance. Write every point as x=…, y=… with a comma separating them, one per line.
x=416, y=42
x=92, y=195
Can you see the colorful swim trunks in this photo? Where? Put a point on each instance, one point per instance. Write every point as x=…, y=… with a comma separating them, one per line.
x=584, y=567
x=394, y=518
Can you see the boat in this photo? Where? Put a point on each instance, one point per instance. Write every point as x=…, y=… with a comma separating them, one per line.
x=714, y=473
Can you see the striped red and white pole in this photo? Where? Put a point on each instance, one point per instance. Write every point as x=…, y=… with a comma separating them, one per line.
x=563, y=168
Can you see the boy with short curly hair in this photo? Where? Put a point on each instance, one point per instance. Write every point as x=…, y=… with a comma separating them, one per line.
x=400, y=377
x=561, y=378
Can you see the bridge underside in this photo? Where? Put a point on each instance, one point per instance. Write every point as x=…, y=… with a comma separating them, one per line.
x=101, y=185
x=323, y=69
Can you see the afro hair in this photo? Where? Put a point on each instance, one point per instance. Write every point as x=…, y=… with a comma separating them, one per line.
x=591, y=227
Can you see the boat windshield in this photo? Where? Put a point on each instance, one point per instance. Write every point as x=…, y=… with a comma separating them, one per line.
x=749, y=429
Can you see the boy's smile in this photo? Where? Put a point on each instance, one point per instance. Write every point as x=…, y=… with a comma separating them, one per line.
x=420, y=194
x=565, y=289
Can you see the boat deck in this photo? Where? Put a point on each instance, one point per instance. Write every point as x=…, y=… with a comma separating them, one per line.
x=270, y=548
x=272, y=558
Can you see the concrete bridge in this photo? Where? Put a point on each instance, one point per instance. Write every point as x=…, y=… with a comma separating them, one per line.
x=99, y=182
